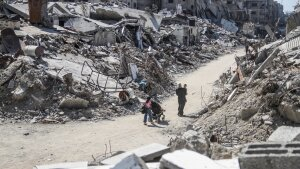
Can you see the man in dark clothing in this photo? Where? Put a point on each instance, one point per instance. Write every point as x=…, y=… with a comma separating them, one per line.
x=181, y=93
x=247, y=45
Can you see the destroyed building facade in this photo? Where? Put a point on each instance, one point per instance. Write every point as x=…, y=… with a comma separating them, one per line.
x=258, y=12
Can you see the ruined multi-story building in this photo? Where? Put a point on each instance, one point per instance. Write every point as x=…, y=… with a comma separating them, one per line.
x=141, y=4
x=264, y=11
x=257, y=11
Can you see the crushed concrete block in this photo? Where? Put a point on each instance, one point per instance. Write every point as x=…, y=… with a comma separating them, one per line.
x=80, y=25
x=188, y=160
x=73, y=103
x=285, y=134
x=130, y=162
x=147, y=153
x=277, y=155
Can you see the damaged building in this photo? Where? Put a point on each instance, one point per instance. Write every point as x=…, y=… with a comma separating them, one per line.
x=228, y=13
x=258, y=12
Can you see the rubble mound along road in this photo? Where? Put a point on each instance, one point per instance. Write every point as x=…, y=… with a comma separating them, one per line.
x=26, y=145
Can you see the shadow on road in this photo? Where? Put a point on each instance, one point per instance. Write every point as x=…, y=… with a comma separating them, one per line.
x=155, y=125
x=191, y=116
x=164, y=123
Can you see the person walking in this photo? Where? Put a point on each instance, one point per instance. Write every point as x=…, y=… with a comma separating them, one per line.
x=148, y=111
x=247, y=45
x=181, y=93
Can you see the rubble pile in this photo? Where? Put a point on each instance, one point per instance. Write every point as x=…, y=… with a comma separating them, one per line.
x=86, y=69
x=251, y=100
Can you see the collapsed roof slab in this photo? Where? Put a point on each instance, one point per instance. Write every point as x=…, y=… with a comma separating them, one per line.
x=151, y=20
x=20, y=9
x=70, y=63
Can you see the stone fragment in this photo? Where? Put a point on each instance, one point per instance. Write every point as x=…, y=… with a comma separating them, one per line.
x=147, y=153
x=131, y=162
x=245, y=114
x=192, y=140
x=290, y=111
x=188, y=160
x=220, y=152
x=285, y=134
x=73, y=103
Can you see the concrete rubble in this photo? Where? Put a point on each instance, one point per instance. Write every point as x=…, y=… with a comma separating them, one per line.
x=251, y=100
x=95, y=61
x=254, y=97
x=64, y=61
x=148, y=153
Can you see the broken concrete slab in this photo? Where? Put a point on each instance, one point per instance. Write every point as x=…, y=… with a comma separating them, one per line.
x=285, y=134
x=270, y=32
x=63, y=165
x=80, y=72
x=188, y=160
x=147, y=153
x=80, y=25
x=19, y=8
x=130, y=162
x=151, y=20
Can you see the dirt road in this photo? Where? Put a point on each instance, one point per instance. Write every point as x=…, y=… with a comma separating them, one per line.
x=79, y=141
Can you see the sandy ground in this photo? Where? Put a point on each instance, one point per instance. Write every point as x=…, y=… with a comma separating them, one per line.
x=78, y=141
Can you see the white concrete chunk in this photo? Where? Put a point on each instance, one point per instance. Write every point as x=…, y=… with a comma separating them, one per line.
x=131, y=162
x=285, y=134
x=188, y=160
x=152, y=165
x=147, y=153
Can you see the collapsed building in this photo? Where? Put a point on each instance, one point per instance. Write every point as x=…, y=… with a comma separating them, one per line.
x=91, y=61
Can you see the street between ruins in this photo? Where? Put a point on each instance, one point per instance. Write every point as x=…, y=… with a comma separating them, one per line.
x=26, y=145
